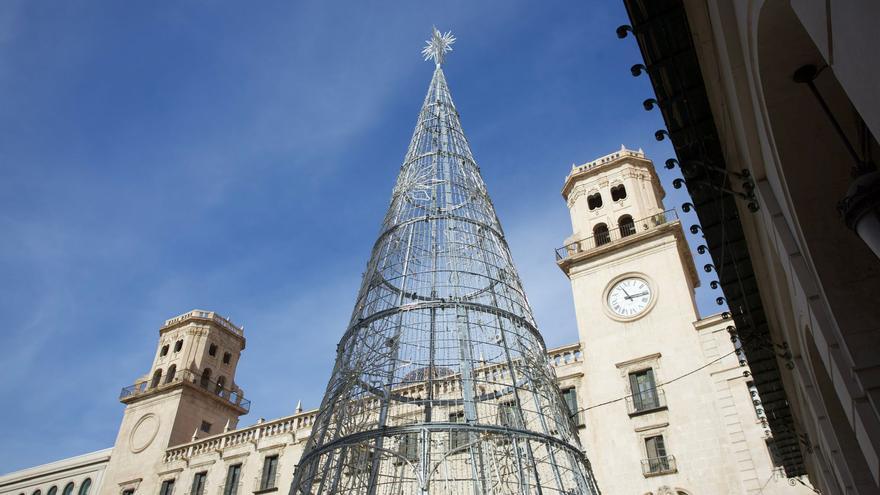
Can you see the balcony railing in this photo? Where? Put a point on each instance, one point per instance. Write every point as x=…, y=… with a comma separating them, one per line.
x=185, y=376
x=647, y=401
x=615, y=234
x=654, y=466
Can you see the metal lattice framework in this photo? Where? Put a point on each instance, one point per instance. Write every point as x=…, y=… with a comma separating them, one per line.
x=442, y=382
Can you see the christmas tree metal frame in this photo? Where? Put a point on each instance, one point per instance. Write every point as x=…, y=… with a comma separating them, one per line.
x=442, y=382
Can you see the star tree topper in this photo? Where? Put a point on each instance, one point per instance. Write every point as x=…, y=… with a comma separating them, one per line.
x=438, y=46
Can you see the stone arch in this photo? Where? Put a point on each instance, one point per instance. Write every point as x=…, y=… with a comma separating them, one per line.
x=205, y=380
x=169, y=376
x=600, y=234
x=157, y=378
x=803, y=137
x=626, y=225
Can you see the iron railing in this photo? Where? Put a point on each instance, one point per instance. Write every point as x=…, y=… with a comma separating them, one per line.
x=186, y=376
x=646, y=401
x=615, y=234
x=654, y=466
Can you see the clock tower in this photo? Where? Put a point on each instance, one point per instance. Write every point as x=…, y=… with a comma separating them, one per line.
x=633, y=281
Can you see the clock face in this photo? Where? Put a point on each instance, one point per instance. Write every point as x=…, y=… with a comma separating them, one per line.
x=629, y=297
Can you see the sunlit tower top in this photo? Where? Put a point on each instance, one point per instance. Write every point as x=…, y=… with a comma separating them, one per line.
x=441, y=382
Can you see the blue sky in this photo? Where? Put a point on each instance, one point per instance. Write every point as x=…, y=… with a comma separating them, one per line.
x=157, y=157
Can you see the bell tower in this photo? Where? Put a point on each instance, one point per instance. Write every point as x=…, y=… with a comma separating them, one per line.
x=189, y=392
x=633, y=279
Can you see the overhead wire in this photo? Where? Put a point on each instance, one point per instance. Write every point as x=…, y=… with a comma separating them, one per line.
x=655, y=387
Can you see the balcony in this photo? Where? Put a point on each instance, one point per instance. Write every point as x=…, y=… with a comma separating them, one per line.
x=655, y=466
x=645, y=402
x=614, y=235
x=187, y=378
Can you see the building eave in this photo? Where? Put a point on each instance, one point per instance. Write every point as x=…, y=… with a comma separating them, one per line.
x=663, y=34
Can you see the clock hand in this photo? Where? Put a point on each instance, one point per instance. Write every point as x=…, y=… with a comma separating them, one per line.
x=624, y=291
x=639, y=294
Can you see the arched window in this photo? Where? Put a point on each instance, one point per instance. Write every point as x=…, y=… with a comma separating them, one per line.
x=37, y=492
x=68, y=489
x=157, y=377
x=171, y=371
x=618, y=192
x=212, y=350
x=221, y=382
x=53, y=490
x=594, y=201
x=84, y=488
x=626, y=226
x=206, y=378
x=601, y=235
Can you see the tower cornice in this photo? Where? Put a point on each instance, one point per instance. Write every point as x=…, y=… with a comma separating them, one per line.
x=605, y=163
x=201, y=316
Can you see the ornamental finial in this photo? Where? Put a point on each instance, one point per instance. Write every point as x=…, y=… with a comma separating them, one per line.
x=438, y=45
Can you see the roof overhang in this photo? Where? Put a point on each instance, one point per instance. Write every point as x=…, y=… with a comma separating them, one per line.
x=664, y=38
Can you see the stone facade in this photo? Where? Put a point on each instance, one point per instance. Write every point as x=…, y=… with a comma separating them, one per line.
x=179, y=432
x=80, y=475
x=667, y=422
x=817, y=280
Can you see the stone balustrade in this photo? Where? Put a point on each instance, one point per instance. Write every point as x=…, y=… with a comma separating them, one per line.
x=564, y=355
x=281, y=426
x=487, y=374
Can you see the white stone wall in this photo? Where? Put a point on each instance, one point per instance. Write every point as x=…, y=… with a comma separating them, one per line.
x=714, y=440
x=73, y=471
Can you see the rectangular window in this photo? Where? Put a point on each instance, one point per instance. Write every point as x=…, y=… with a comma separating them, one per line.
x=657, y=460
x=206, y=427
x=198, y=485
x=227, y=357
x=270, y=469
x=507, y=415
x=167, y=487
x=457, y=439
x=409, y=446
x=360, y=460
x=644, y=390
x=570, y=397
x=233, y=474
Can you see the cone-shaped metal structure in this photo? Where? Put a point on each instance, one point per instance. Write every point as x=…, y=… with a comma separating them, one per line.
x=442, y=382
